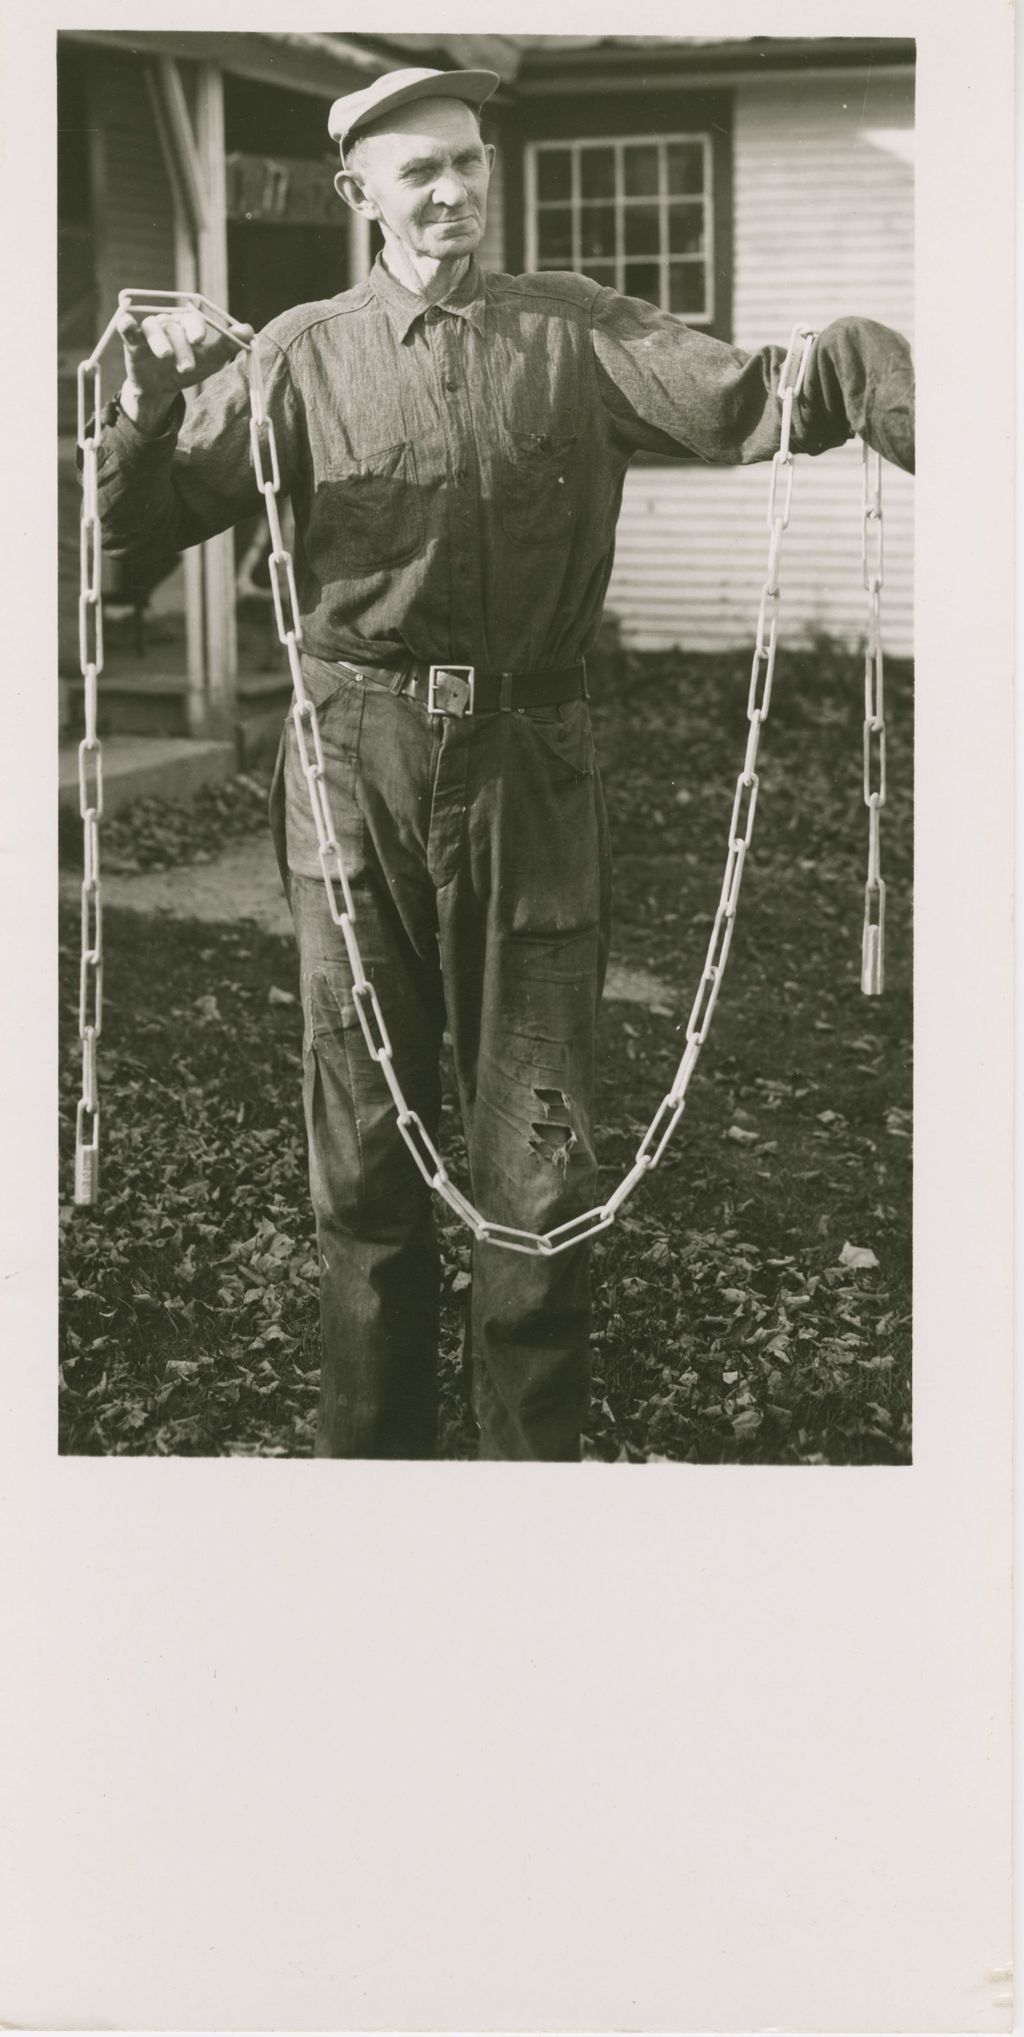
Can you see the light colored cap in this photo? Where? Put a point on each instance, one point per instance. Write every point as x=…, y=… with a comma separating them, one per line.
x=397, y=88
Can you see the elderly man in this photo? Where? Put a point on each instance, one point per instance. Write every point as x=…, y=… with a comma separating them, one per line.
x=454, y=446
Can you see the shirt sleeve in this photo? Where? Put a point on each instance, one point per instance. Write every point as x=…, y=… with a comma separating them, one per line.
x=668, y=388
x=159, y=494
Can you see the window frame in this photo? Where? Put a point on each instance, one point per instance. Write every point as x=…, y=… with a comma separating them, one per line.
x=638, y=105
x=574, y=145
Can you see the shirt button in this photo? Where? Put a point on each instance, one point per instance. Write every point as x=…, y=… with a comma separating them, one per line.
x=450, y=384
x=432, y=315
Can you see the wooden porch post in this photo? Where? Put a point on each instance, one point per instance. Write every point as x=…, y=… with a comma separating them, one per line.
x=167, y=100
x=218, y=554
x=193, y=146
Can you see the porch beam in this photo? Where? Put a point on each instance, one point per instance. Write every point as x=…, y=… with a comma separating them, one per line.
x=190, y=175
x=322, y=66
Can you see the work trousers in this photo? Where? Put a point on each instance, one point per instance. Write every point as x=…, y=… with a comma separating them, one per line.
x=477, y=853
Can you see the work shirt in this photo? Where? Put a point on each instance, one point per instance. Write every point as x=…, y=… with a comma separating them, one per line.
x=456, y=469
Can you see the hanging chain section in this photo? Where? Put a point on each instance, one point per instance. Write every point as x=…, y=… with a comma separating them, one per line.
x=90, y=749
x=90, y=792
x=340, y=900
x=872, y=968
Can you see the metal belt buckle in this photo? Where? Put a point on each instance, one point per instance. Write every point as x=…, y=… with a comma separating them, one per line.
x=450, y=689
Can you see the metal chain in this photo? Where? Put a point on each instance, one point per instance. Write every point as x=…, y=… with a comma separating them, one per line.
x=421, y=1147
x=90, y=749
x=872, y=966
x=90, y=792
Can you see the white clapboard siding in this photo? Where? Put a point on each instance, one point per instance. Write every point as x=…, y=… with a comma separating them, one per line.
x=824, y=204
x=823, y=226
x=692, y=546
x=136, y=246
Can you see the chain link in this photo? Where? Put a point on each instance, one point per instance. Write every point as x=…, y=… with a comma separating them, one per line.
x=872, y=967
x=90, y=792
x=410, y=1126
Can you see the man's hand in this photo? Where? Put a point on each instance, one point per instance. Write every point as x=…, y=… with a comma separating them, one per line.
x=165, y=353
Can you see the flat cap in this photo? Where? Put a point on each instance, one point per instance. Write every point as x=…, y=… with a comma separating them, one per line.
x=397, y=88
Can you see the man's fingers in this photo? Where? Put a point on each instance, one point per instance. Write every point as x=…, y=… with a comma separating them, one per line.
x=174, y=349
x=127, y=326
x=184, y=358
x=155, y=333
x=193, y=325
x=168, y=341
x=191, y=322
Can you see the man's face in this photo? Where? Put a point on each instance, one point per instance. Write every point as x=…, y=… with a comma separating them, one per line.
x=425, y=178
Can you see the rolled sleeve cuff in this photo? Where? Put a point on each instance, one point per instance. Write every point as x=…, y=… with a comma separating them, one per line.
x=132, y=446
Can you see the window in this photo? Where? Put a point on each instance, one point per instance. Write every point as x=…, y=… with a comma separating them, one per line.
x=634, y=211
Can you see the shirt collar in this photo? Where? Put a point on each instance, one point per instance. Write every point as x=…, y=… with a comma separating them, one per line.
x=403, y=308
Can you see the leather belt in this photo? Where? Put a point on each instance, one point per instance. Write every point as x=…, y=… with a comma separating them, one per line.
x=459, y=690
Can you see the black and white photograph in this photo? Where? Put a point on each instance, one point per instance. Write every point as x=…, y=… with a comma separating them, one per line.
x=508, y=855
x=486, y=538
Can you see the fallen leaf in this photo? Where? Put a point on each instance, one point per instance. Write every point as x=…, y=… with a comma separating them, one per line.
x=741, y=1137
x=276, y=996
x=746, y=1424
x=857, y=1256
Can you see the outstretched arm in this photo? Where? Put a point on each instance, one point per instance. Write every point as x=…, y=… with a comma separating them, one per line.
x=668, y=388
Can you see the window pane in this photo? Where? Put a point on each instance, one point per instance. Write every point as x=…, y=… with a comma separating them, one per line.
x=597, y=229
x=600, y=272
x=643, y=280
x=641, y=170
x=554, y=174
x=640, y=229
x=554, y=235
x=597, y=173
x=686, y=229
x=686, y=288
x=685, y=167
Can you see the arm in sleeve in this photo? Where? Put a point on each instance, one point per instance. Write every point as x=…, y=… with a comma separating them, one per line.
x=670, y=389
x=157, y=495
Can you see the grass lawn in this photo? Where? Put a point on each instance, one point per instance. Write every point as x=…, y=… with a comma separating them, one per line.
x=727, y=1325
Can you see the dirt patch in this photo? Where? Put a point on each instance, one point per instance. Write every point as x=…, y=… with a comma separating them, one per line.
x=244, y=884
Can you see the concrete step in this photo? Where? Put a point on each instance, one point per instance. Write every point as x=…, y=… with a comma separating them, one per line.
x=174, y=767
x=146, y=679
x=153, y=700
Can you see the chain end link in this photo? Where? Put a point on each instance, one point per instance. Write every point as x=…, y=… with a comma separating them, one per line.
x=87, y=1160
x=87, y=1168
x=872, y=967
x=872, y=954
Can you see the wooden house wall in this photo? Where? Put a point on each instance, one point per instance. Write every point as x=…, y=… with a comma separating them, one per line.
x=134, y=205
x=823, y=192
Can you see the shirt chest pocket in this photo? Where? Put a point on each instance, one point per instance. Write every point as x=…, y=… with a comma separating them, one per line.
x=367, y=514
x=537, y=478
